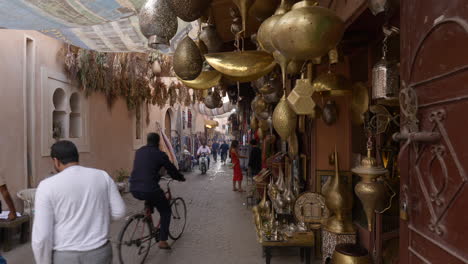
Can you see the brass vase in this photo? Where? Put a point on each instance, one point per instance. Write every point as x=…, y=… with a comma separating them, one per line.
x=158, y=23
x=370, y=191
x=284, y=119
x=307, y=31
x=244, y=66
x=187, y=60
x=266, y=28
x=189, y=10
x=205, y=80
x=339, y=200
x=210, y=37
x=263, y=9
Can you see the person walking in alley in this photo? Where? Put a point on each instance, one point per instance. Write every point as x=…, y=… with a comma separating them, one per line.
x=224, y=150
x=204, y=149
x=215, y=150
x=73, y=210
x=237, y=175
x=144, y=181
x=255, y=158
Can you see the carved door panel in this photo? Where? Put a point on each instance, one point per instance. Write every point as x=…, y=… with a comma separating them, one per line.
x=434, y=155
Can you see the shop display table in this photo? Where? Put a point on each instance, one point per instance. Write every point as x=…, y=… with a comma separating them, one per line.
x=330, y=240
x=7, y=229
x=305, y=244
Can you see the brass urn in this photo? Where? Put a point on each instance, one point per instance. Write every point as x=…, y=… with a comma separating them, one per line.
x=339, y=199
x=158, y=23
x=370, y=191
x=189, y=10
x=187, y=60
x=264, y=37
x=307, y=31
x=284, y=119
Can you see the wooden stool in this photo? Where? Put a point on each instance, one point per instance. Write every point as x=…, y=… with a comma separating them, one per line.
x=7, y=229
x=330, y=240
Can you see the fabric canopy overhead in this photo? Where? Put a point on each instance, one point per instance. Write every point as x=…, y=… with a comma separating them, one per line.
x=101, y=25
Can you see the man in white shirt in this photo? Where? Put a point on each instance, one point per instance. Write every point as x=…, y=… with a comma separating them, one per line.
x=73, y=210
x=204, y=149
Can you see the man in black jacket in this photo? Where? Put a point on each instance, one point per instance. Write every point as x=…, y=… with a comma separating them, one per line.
x=255, y=158
x=144, y=181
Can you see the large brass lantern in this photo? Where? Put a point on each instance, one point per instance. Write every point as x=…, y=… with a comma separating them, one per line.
x=307, y=31
x=187, y=60
x=284, y=119
x=158, y=23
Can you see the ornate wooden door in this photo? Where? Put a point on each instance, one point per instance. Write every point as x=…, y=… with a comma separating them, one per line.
x=434, y=155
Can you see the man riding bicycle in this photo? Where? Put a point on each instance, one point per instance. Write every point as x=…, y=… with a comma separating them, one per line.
x=204, y=149
x=144, y=181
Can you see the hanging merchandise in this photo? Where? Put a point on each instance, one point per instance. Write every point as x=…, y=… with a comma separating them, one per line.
x=243, y=6
x=330, y=113
x=158, y=23
x=370, y=191
x=201, y=46
x=300, y=98
x=262, y=9
x=205, y=80
x=189, y=118
x=253, y=123
x=187, y=60
x=210, y=37
x=189, y=10
x=339, y=199
x=244, y=66
x=264, y=34
x=294, y=67
x=284, y=119
x=330, y=83
x=307, y=31
x=385, y=77
x=213, y=100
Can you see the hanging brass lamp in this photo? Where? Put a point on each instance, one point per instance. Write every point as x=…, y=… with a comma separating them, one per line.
x=243, y=66
x=284, y=119
x=300, y=98
x=189, y=10
x=264, y=37
x=210, y=37
x=307, y=31
x=205, y=80
x=370, y=191
x=158, y=23
x=187, y=60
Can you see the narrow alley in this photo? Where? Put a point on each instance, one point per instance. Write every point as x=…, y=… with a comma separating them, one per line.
x=219, y=226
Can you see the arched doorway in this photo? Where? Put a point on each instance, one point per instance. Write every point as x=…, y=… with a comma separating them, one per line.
x=167, y=124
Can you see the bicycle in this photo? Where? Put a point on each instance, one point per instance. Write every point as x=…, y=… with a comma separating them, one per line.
x=134, y=242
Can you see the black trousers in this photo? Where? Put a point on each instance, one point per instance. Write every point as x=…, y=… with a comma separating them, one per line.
x=158, y=199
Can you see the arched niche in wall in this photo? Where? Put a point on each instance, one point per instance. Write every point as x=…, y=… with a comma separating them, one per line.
x=75, y=116
x=59, y=114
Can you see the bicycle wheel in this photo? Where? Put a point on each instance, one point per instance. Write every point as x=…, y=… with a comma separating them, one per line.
x=135, y=240
x=178, y=218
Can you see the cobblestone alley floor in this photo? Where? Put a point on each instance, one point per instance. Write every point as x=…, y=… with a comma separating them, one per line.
x=219, y=226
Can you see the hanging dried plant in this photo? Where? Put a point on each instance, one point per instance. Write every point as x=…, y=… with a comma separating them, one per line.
x=172, y=94
x=188, y=98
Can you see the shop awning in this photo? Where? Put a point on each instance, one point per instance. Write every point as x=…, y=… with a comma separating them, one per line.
x=102, y=25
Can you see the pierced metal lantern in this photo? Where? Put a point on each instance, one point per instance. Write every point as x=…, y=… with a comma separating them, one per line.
x=158, y=23
x=385, y=77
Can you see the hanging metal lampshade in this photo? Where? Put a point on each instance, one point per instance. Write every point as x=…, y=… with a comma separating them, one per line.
x=300, y=98
x=187, y=60
x=158, y=23
x=189, y=10
x=284, y=119
x=307, y=31
x=210, y=36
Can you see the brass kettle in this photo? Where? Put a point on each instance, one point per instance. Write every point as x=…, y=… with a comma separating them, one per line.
x=158, y=23
x=187, y=60
x=284, y=119
x=307, y=31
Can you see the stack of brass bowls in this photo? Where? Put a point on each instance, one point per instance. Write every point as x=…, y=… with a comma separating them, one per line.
x=158, y=23
x=243, y=66
x=307, y=31
x=187, y=60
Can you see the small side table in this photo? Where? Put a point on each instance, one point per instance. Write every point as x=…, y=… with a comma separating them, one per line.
x=7, y=228
x=305, y=245
x=330, y=240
